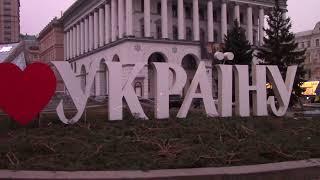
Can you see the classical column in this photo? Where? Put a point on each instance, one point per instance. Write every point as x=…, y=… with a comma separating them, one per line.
x=249, y=25
x=210, y=20
x=129, y=18
x=86, y=34
x=67, y=52
x=237, y=12
x=181, y=28
x=78, y=39
x=164, y=18
x=82, y=37
x=261, y=25
x=96, y=29
x=196, y=26
x=65, y=37
x=91, y=33
x=224, y=26
x=114, y=20
x=147, y=31
x=107, y=23
x=74, y=49
x=70, y=43
x=121, y=17
x=101, y=27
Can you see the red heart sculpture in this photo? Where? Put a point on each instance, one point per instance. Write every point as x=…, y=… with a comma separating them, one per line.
x=23, y=94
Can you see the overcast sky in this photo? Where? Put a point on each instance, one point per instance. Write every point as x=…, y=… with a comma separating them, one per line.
x=35, y=14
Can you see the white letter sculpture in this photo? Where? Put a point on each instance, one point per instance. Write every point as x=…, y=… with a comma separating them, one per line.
x=200, y=80
x=282, y=90
x=73, y=85
x=117, y=92
x=243, y=89
x=225, y=90
x=162, y=86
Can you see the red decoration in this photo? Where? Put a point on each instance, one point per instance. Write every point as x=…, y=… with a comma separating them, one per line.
x=23, y=94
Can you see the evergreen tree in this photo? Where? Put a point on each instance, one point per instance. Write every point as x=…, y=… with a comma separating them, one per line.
x=280, y=47
x=237, y=43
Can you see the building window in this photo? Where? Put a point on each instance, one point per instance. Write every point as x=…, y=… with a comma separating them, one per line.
x=158, y=28
x=175, y=32
x=138, y=89
x=202, y=35
x=201, y=14
x=253, y=20
x=317, y=43
x=189, y=34
x=215, y=36
x=215, y=16
x=255, y=35
x=188, y=12
x=159, y=8
x=228, y=18
x=142, y=27
x=174, y=11
x=241, y=18
x=142, y=30
x=75, y=67
x=309, y=44
x=142, y=5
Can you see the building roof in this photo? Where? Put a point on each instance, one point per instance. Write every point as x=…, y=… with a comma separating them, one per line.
x=55, y=22
x=315, y=30
x=304, y=33
x=74, y=6
x=78, y=3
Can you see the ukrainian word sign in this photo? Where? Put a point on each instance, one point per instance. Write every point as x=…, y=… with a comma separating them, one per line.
x=25, y=106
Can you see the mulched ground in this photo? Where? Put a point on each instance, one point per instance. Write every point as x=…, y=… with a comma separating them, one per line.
x=142, y=145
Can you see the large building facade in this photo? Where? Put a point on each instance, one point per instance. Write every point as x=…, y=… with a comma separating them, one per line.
x=149, y=31
x=9, y=21
x=310, y=40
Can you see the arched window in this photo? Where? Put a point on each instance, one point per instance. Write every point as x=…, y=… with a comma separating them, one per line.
x=189, y=64
x=83, y=76
x=138, y=89
x=116, y=58
x=102, y=79
x=155, y=57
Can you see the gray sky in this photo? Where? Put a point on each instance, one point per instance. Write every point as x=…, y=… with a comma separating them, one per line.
x=35, y=14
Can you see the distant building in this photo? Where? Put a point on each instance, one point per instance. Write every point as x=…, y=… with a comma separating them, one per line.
x=51, y=42
x=9, y=21
x=310, y=40
x=6, y=50
x=22, y=54
x=51, y=45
